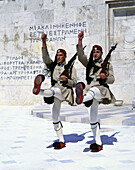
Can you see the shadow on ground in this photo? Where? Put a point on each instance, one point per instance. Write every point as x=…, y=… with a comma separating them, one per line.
x=106, y=140
x=72, y=138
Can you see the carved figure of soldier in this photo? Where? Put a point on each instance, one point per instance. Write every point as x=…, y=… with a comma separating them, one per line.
x=97, y=90
x=60, y=90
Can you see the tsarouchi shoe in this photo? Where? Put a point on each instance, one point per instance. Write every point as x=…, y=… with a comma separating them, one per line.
x=96, y=148
x=79, y=93
x=37, y=83
x=59, y=145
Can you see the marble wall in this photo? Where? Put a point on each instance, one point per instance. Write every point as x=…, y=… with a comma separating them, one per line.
x=23, y=23
x=120, y=26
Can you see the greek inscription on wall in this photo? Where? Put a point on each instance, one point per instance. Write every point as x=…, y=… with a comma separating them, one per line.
x=56, y=32
x=18, y=68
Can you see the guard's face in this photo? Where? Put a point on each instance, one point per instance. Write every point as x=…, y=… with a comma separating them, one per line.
x=97, y=54
x=60, y=57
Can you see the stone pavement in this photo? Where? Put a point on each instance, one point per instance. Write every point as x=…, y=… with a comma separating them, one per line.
x=26, y=140
x=108, y=114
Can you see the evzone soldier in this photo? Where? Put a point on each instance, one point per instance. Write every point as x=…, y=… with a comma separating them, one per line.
x=60, y=90
x=97, y=90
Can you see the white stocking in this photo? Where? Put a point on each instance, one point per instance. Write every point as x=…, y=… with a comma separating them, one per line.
x=94, y=121
x=56, y=119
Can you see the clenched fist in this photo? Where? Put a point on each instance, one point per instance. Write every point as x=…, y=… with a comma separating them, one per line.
x=81, y=35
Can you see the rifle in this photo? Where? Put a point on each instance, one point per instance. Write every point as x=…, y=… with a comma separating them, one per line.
x=67, y=66
x=107, y=58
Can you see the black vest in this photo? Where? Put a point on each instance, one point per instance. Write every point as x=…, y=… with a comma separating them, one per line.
x=52, y=70
x=90, y=65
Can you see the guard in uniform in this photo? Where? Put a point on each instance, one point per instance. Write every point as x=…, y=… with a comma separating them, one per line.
x=61, y=87
x=97, y=90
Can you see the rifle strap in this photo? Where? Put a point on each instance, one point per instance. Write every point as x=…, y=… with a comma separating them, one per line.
x=70, y=68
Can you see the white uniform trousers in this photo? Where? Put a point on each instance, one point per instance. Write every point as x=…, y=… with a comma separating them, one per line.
x=58, y=98
x=95, y=95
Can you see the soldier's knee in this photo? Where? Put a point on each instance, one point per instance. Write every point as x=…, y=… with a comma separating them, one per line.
x=49, y=100
x=88, y=103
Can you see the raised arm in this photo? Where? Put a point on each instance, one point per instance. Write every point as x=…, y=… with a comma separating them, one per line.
x=80, y=38
x=44, y=37
x=81, y=56
x=45, y=55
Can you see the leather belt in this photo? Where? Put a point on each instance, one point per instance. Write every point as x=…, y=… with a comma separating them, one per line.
x=59, y=82
x=95, y=79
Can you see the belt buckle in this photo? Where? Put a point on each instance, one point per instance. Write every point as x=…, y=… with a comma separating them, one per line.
x=58, y=82
x=95, y=79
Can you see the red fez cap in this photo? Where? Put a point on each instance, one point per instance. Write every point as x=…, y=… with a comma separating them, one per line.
x=62, y=51
x=97, y=47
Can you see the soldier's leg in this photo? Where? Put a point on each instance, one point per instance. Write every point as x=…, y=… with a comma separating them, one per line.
x=58, y=94
x=95, y=126
x=50, y=93
x=47, y=93
x=37, y=87
x=92, y=99
x=94, y=121
x=57, y=124
x=93, y=92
